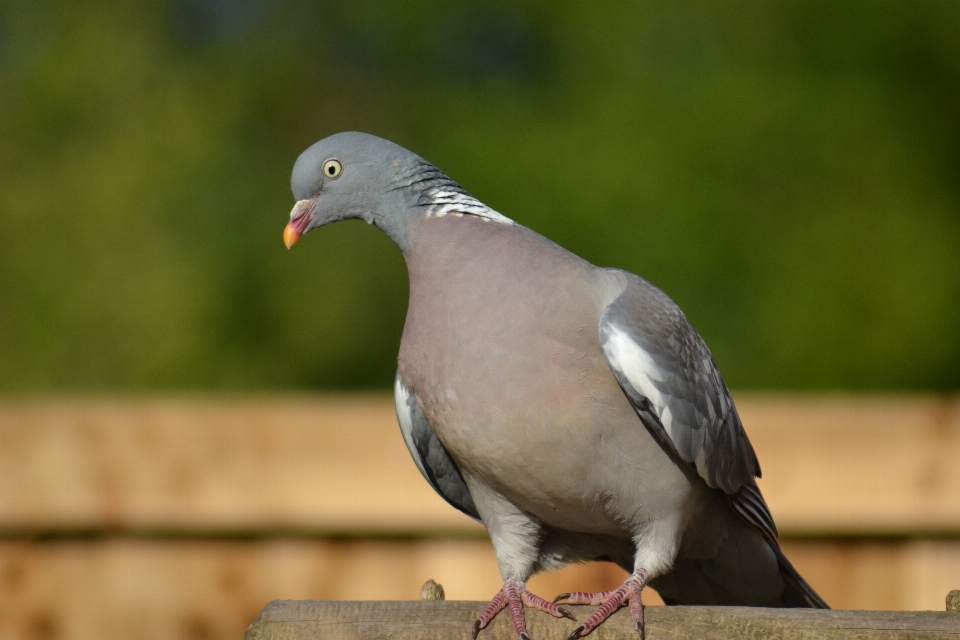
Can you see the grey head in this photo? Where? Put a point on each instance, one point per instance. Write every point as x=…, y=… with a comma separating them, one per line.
x=356, y=175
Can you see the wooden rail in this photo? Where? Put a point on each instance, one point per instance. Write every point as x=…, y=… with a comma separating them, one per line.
x=833, y=466
x=430, y=620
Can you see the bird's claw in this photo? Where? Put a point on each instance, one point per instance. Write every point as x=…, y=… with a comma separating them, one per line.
x=562, y=596
x=514, y=596
x=576, y=633
x=627, y=594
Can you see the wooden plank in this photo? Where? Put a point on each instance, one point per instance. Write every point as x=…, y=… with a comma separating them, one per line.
x=426, y=620
x=858, y=465
x=337, y=465
x=330, y=465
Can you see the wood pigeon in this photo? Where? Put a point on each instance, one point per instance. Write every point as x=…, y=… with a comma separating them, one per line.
x=571, y=408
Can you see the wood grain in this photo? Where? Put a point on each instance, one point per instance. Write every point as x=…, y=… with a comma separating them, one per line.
x=426, y=620
x=336, y=465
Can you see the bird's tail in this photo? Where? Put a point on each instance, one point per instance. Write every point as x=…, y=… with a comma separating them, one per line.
x=797, y=592
x=750, y=506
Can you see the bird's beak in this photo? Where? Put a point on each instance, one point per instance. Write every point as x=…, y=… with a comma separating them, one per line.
x=300, y=219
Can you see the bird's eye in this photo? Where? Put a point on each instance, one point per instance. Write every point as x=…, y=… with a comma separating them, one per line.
x=332, y=169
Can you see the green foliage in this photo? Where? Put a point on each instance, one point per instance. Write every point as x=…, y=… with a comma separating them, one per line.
x=788, y=172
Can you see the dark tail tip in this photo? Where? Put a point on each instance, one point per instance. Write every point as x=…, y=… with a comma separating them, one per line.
x=797, y=593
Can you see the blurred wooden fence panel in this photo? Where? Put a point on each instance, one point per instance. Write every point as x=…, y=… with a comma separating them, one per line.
x=858, y=465
x=173, y=589
x=178, y=519
x=330, y=465
x=337, y=465
x=149, y=589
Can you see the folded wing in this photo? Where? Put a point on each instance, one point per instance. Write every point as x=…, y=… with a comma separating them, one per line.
x=428, y=453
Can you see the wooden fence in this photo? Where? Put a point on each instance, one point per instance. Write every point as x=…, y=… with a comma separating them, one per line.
x=181, y=518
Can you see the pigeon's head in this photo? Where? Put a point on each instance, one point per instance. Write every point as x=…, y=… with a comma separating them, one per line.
x=355, y=175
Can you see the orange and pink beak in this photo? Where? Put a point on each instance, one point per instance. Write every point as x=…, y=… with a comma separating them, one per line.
x=300, y=219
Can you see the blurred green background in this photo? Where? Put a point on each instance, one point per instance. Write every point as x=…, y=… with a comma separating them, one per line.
x=788, y=172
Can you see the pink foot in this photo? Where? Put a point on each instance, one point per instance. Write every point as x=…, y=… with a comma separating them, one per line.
x=609, y=602
x=514, y=595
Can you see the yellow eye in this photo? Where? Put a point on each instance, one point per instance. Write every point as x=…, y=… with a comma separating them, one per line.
x=332, y=169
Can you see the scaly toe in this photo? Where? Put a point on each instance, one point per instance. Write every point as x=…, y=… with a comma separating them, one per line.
x=584, y=597
x=536, y=602
x=514, y=596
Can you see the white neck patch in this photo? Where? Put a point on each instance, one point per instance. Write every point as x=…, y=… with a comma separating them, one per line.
x=445, y=201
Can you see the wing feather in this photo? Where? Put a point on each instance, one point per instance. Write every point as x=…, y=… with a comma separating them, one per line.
x=431, y=458
x=672, y=381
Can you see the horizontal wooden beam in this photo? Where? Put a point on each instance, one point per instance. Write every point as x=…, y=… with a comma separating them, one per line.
x=85, y=582
x=336, y=465
x=330, y=465
x=851, y=466
x=427, y=620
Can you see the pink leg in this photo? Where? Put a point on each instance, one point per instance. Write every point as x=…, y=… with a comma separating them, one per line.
x=609, y=602
x=514, y=595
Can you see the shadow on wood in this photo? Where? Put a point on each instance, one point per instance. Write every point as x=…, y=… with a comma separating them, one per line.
x=430, y=620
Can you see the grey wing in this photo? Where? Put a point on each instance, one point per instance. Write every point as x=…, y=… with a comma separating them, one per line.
x=670, y=378
x=666, y=371
x=428, y=453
